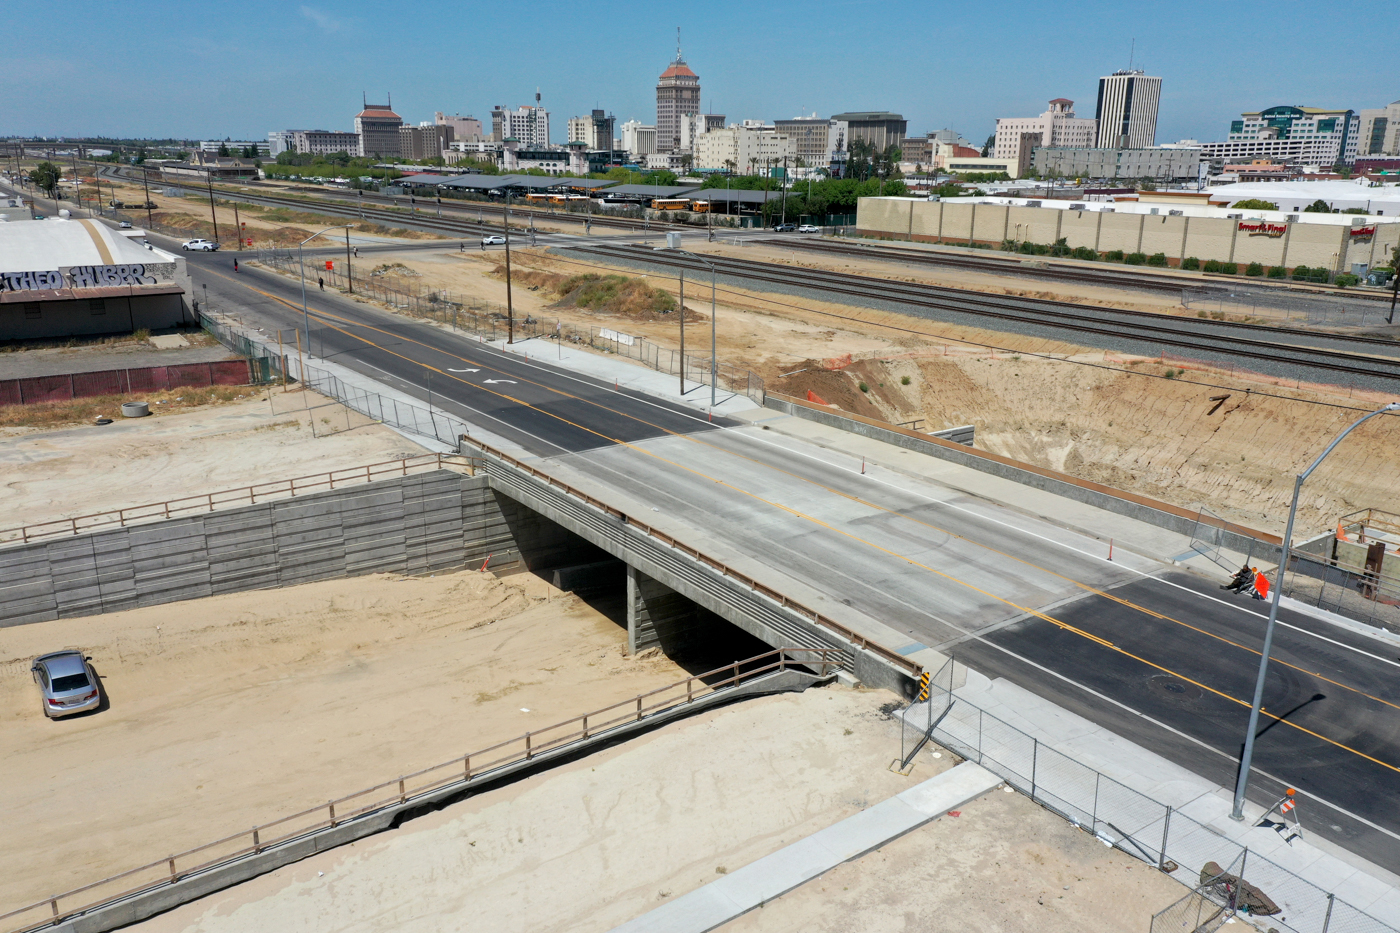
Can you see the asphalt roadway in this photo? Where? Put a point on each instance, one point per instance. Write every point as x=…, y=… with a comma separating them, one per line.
x=1160, y=656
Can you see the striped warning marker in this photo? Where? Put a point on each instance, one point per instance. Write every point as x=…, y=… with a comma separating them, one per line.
x=923, y=687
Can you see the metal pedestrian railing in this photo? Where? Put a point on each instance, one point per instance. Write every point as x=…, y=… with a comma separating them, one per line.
x=1124, y=818
x=458, y=773
x=230, y=498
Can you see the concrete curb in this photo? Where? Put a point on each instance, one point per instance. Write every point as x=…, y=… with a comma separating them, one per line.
x=774, y=875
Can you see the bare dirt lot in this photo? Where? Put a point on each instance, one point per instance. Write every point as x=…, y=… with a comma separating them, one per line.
x=60, y=472
x=597, y=842
x=229, y=711
x=1138, y=424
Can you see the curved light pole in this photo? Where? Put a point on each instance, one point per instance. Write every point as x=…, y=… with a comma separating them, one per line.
x=1242, y=782
x=714, y=353
x=301, y=261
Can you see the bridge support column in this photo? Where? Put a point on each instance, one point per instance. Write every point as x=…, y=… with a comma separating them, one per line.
x=658, y=616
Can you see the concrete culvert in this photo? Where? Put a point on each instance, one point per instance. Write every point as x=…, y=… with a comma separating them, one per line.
x=135, y=409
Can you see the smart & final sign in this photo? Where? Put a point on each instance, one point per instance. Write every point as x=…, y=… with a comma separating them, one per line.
x=1264, y=228
x=77, y=277
x=1363, y=231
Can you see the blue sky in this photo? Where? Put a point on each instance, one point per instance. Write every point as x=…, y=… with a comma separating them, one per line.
x=211, y=70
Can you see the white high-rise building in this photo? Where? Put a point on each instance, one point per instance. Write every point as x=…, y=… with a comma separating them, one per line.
x=1057, y=127
x=1127, y=110
x=528, y=124
x=744, y=149
x=1380, y=131
x=638, y=139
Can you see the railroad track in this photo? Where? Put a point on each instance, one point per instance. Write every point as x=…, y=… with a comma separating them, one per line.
x=457, y=207
x=1118, y=278
x=1274, y=345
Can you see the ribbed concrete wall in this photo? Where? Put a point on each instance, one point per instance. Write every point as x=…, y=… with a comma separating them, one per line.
x=413, y=524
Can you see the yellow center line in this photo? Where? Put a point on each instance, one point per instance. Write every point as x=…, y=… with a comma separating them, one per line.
x=812, y=519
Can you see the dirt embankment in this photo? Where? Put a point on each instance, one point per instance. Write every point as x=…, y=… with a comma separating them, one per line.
x=1166, y=438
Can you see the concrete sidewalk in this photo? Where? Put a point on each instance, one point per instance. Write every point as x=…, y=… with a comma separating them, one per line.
x=770, y=877
x=1360, y=883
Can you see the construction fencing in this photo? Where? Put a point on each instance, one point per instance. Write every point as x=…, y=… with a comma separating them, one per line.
x=68, y=386
x=490, y=321
x=1122, y=817
x=1359, y=595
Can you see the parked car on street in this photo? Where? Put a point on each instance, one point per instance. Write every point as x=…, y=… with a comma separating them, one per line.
x=784, y=228
x=205, y=246
x=124, y=225
x=493, y=239
x=809, y=228
x=67, y=683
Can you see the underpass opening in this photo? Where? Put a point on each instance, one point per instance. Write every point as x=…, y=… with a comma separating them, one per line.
x=654, y=616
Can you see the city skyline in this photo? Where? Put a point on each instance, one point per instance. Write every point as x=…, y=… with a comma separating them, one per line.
x=305, y=66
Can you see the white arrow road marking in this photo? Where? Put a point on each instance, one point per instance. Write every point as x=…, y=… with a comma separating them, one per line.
x=493, y=381
x=464, y=370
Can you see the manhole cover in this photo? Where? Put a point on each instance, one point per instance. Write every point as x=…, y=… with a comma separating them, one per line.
x=1173, y=688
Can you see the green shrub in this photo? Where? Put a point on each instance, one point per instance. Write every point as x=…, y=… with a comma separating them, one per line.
x=1135, y=259
x=1229, y=268
x=904, y=380
x=1346, y=280
x=1008, y=246
x=1277, y=272
x=1212, y=265
x=1060, y=248
x=1157, y=259
x=1254, y=268
x=1084, y=252
x=864, y=387
x=1319, y=275
x=1300, y=273
x=1114, y=255
x=1255, y=204
x=1191, y=263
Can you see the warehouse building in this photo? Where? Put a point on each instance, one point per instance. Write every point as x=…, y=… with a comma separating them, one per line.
x=64, y=278
x=1175, y=225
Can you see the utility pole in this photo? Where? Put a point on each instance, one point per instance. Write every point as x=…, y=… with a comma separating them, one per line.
x=237, y=226
x=146, y=184
x=510, y=309
x=784, y=184
x=1394, y=283
x=349, y=273
x=209, y=183
x=682, y=332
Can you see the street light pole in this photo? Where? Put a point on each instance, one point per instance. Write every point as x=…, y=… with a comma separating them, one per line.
x=301, y=261
x=510, y=308
x=1242, y=782
x=714, y=344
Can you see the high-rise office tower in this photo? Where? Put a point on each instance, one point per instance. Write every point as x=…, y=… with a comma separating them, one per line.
x=1127, y=110
x=677, y=94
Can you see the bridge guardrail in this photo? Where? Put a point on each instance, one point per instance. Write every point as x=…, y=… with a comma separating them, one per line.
x=672, y=544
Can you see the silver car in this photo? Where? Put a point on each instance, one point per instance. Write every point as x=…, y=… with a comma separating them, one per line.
x=67, y=683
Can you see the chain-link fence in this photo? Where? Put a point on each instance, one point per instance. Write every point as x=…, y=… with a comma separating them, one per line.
x=1280, y=305
x=1126, y=819
x=422, y=420
x=1210, y=905
x=489, y=320
x=1356, y=594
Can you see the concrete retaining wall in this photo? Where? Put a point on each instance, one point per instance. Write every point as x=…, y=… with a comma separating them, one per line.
x=413, y=524
x=1264, y=547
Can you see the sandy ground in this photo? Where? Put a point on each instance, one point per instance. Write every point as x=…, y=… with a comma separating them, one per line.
x=229, y=711
x=1003, y=864
x=591, y=844
x=51, y=474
